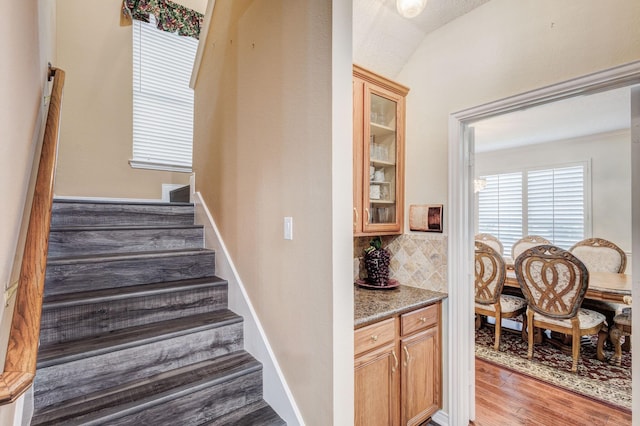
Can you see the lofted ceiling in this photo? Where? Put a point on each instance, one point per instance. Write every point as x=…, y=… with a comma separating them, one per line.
x=383, y=41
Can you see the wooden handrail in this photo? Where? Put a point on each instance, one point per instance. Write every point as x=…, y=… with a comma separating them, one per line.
x=22, y=351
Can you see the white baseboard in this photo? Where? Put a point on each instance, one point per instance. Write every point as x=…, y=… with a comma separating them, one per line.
x=441, y=418
x=275, y=388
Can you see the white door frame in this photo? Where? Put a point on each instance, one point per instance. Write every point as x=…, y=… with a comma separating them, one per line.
x=461, y=215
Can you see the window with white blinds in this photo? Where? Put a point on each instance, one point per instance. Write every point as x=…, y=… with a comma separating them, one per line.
x=556, y=204
x=500, y=208
x=162, y=98
x=550, y=202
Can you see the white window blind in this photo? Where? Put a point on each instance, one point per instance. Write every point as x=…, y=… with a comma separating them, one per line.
x=551, y=203
x=500, y=208
x=162, y=98
x=556, y=204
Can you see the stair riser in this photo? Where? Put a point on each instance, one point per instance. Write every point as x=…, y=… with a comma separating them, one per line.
x=82, y=321
x=76, y=214
x=62, y=278
x=73, y=243
x=199, y=406
x=57, y=383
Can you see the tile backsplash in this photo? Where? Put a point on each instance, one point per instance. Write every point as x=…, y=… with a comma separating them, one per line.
x=417, y=260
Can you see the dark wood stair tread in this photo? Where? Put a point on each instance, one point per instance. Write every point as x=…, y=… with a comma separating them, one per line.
x=159, y=389
x=133, y=336
x=257, y=414
x=118, y=202
x=109, y=257
x=120, y=293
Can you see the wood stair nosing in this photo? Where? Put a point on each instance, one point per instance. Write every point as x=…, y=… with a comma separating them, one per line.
x=83, y=273
x=89, y=212
x=163, y=387
x=72, y=378
x=134, y=336
x=76, y=241
x=76, y=316
x=101, y=295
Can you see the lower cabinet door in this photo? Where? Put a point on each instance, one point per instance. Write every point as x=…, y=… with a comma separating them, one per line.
x=377, y=383
x=421, y=375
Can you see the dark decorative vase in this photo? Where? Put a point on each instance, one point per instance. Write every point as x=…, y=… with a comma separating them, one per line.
x=376, y=262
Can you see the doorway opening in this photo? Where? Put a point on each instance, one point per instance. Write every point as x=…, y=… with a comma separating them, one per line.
x=462, y=214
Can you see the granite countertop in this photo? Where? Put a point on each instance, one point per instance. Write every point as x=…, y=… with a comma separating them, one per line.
x=374, y=305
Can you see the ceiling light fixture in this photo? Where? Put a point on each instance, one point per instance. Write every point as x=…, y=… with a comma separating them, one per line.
x=410, y=8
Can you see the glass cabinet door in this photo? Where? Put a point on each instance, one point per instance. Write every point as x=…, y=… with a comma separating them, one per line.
x=378, y=154
x=382, y=160
x=382, y=186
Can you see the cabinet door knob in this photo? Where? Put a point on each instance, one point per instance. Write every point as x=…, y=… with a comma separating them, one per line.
x=374, y=338
x=368, y=215
x=395, y=361
x=406, y=356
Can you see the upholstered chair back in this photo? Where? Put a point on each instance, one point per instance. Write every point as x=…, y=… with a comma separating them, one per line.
x=525, y=243
x=490, y=274
x=491, y=241
x=552, y=280
x=600, y=255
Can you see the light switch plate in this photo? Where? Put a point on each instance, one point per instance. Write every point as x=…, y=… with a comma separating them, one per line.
x=288, y=228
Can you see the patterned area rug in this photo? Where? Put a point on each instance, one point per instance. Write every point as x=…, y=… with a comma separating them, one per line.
x=599, y=380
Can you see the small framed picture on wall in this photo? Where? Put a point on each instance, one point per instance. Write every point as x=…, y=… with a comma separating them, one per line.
x=425, y=217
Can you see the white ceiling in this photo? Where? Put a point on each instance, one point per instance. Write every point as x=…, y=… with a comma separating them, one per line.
x=570, y=118
x=383, y=41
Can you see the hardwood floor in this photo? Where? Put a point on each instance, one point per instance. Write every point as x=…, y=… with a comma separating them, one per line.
x=506, y=398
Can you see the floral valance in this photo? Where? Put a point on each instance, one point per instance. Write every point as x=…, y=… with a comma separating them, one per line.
x=170, y=16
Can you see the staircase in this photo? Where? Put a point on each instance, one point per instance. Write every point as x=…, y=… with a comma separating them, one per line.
x=135, y=327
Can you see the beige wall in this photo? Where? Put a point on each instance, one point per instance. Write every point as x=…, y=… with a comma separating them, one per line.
x=500, y=49
x=96, y=133
x=263, y=151
x=26, y=31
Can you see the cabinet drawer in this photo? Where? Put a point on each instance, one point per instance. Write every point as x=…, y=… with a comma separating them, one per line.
x=419, y=319
x=374, y=335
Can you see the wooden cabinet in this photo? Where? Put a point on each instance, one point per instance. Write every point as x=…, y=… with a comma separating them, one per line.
x=378, y=154
x=398, y=369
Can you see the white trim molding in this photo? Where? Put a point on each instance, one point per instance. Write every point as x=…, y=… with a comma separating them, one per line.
x=461, y=370
x=204, y=34
x=276, y=392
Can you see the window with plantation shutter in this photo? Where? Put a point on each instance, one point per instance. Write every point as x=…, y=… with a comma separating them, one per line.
x=556, y=204
x=162, y=98
x=550, y=202
x=500, y=208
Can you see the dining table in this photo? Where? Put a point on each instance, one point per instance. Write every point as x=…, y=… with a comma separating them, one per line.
x=603, y=286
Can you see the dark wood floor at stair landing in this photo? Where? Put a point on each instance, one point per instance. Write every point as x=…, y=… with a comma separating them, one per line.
x=507, y=398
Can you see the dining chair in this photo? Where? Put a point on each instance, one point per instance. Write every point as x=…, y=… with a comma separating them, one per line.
x=525, y=243
x=489, y=281
x=554, y=283
x=600, y=255
x=492, y=241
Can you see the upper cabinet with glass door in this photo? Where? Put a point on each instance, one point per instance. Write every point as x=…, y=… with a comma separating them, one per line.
x=378, y=152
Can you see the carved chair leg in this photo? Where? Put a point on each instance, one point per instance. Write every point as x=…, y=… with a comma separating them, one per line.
x=615, y=335
x=531, y=333
x=602, y=337
x=496, y=345
x=575, y=351
x=525, y=336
